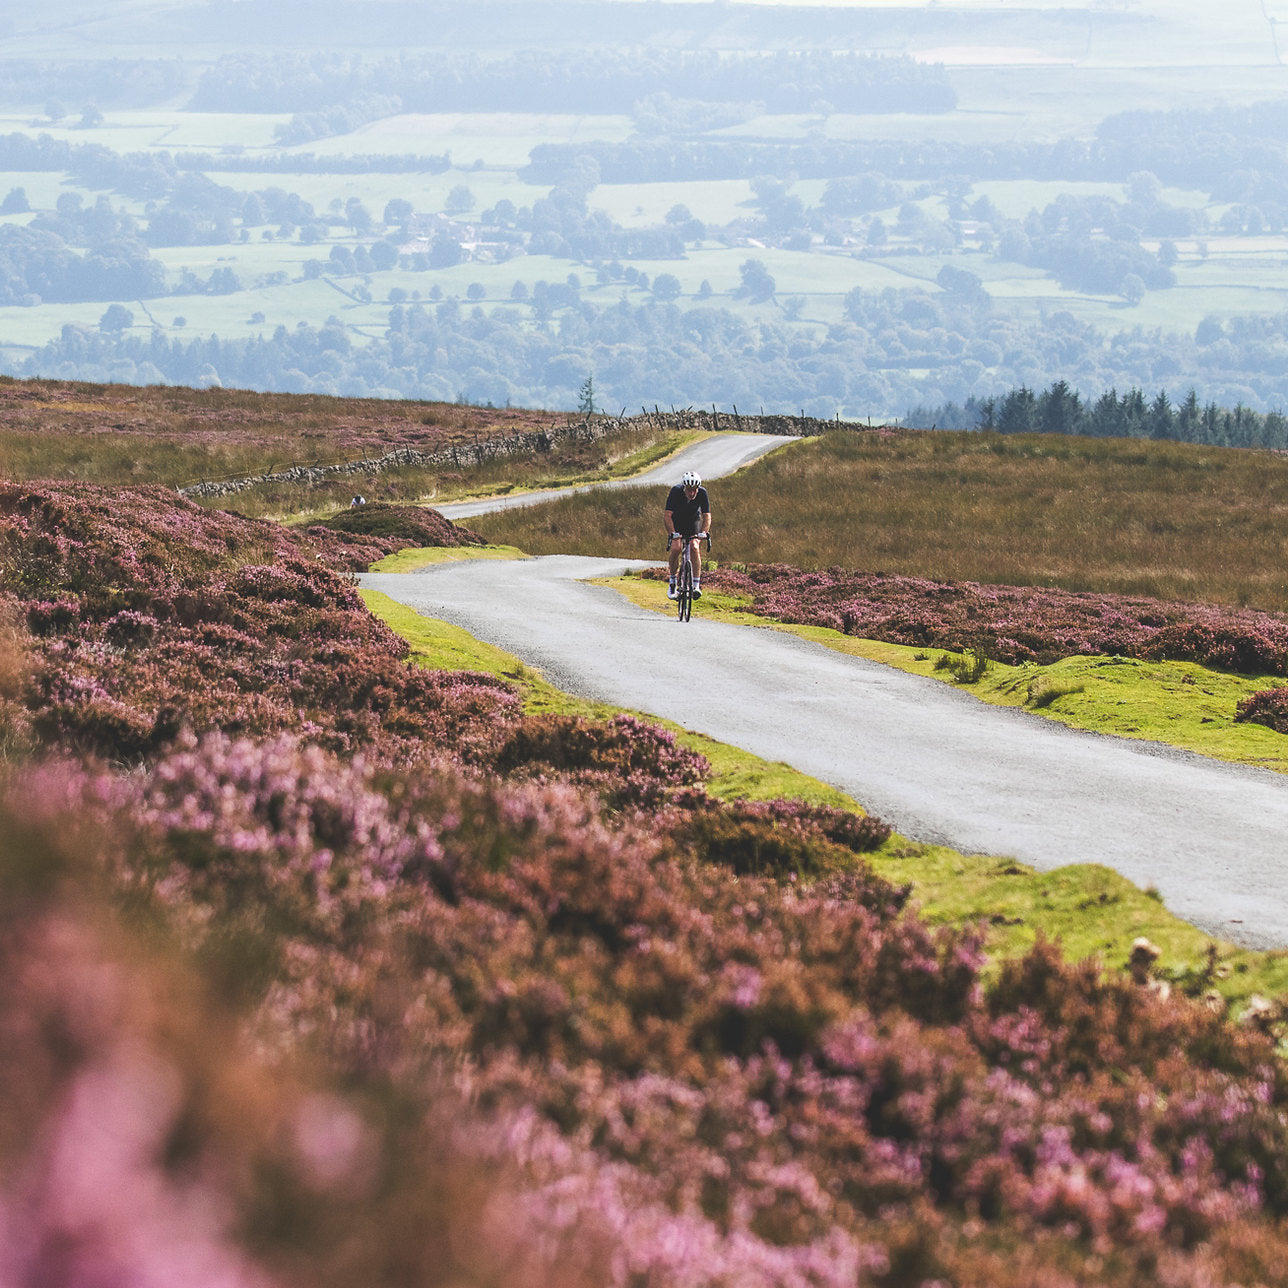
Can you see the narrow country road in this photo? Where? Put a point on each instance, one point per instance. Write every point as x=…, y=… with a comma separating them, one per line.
x=712, y=457
x=935, y=763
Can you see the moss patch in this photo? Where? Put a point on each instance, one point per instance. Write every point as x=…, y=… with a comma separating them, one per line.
x=413, y=559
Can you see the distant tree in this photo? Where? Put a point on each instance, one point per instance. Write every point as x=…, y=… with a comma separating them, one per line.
x=15, y=203
x=459, y=201
x=1132, y=289
x=223, y=281
x=445, y=252
x=519, y=291
x=705, y=291
x=475, y=291
x=1059, y=410
x=586, y=396
x=1018, y=412
x=503, y=213
x=384, y=256
x=911, y=221
x=757, y=283
x=90, y=117
x=666, y=287
x=357, y=216
x=116, y=319
x=398, y=210
x=1105, y=419
x=1144, y=189
x=1209, y=330
x=1159, y=422
x=1188, y=418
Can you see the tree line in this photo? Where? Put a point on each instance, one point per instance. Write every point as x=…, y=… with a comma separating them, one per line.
x=1060, y=409
x=570, y=81
x=932, y=353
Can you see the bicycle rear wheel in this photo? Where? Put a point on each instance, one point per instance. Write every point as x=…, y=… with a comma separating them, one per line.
x=684, y=588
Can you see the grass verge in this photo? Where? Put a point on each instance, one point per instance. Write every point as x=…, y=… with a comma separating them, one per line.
x=415, y=558
x=1090, y=909
x=1180, y=704
x=735, y=774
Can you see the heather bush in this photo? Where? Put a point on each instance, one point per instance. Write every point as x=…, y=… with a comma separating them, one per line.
x=143, y=1142
x=776, y=838
x=150, y=615
x=797, y=1079
x=314, y=995
x=629, y=761
x=1013, y=623
x=1267, y=707
x=354, y=539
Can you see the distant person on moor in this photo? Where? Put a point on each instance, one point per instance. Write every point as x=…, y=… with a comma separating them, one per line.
x=688, y=515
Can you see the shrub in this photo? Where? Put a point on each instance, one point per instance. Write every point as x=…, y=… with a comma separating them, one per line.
x=1267, y=707
x=1013, y=623
x=151, y=614
x=631, y=761
x=354, y=539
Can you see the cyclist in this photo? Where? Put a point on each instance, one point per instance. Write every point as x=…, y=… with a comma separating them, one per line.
x=688, y=515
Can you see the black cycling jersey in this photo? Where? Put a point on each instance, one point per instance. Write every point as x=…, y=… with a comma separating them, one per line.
x=686, y=514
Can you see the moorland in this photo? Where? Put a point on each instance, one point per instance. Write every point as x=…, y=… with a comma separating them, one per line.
x=331, y=961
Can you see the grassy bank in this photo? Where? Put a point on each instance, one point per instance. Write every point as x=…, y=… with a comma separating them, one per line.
x=1170, y=520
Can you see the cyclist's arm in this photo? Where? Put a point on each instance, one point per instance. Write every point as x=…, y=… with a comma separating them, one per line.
x=670, y=524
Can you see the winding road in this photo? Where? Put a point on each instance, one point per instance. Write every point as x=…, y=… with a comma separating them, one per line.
x=937, y=764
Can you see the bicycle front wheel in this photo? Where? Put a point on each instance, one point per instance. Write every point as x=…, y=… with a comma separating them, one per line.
x=684, y=589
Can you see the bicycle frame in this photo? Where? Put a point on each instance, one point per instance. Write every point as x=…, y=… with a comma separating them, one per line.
x=684, y=575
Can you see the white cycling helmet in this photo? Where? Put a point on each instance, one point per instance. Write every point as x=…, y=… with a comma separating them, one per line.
x=690, y=480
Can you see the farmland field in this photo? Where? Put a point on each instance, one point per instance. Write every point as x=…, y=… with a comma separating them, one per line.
x=1047, y=76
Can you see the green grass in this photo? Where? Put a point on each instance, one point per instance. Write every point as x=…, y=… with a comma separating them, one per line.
x=1111, y=516
x=414, y=559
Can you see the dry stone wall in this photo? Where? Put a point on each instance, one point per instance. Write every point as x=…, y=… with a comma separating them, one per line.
x=588, y=430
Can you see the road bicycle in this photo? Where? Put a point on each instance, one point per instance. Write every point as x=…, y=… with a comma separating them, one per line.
x=684, y=575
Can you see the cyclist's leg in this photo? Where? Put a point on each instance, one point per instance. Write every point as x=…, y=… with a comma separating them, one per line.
x=695, y=547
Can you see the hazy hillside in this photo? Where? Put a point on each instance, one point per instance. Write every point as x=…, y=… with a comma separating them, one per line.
x=848, y=207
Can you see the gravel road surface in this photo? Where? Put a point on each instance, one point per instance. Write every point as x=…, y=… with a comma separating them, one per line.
x=935, y=763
